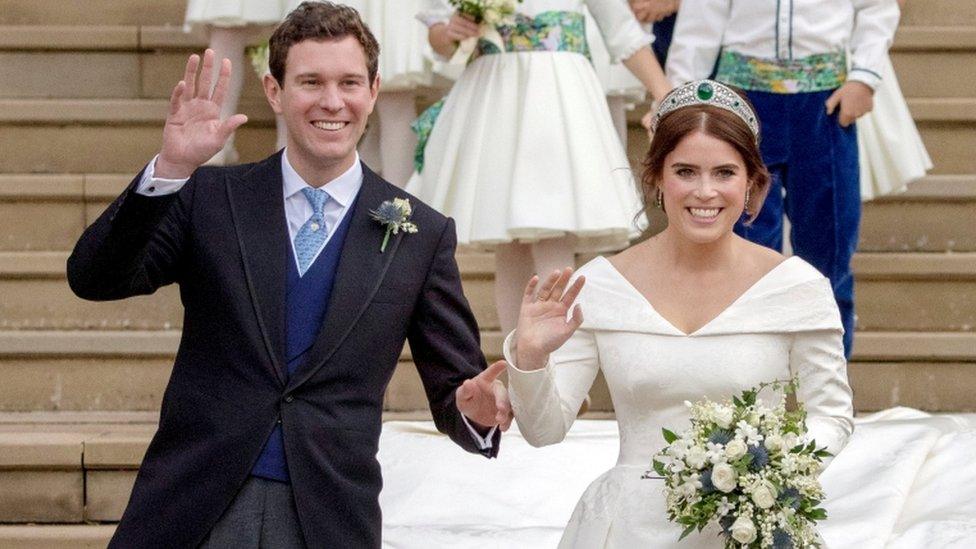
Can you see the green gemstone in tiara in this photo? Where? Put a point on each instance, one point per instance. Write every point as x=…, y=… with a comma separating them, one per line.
x=705, y=91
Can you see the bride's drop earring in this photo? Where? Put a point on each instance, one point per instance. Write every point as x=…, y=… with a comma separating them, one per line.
x=748, y=196
x=659, y=200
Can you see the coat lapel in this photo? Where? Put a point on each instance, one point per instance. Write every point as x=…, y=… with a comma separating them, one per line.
x=360, y=271
x=258, y=210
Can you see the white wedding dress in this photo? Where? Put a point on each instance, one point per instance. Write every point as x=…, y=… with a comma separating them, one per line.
x=785, y=325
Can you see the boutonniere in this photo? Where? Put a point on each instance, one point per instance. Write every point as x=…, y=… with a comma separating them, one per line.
x=395, y=216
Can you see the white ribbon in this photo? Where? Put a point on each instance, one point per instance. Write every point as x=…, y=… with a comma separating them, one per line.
x=466, y=47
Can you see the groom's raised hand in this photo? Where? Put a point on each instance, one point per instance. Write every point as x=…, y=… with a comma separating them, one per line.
x=483, y=399
x=194, y=131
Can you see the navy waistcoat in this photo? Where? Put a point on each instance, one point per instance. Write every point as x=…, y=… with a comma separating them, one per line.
x=307, y=302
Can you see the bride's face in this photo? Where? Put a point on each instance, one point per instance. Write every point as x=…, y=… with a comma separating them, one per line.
x=704, y=182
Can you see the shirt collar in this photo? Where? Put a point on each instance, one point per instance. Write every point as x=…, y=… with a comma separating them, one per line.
x=342, y=189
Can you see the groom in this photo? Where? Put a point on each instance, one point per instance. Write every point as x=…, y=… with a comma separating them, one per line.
x=296, y=308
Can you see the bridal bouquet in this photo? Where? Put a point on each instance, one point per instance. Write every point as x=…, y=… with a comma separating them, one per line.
x=488, y=14
x=748, y=467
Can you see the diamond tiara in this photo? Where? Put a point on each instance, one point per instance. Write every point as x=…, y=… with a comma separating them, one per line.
x=707, y=92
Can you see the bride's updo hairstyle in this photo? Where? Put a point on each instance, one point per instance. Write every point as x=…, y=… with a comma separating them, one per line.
x=718, y=123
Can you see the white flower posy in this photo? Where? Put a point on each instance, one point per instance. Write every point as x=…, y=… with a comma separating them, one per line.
x=747, y=467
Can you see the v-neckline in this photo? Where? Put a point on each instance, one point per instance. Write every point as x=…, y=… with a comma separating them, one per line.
x=711, y=321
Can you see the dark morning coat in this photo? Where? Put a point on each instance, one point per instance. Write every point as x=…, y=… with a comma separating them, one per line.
x=223, y=238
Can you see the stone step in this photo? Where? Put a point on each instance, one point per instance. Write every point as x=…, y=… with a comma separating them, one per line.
x=936, y=214
x=92, y=12
x=916, y=292
x=36, y=296
x=127, y=371
x=107, y=74
x=939, y=13
x=896, y=291
x=935, y=61
x=55, y=536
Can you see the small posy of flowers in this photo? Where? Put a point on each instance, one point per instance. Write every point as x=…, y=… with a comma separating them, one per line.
x=747, y=467
x=395, y=216
x=488, y=12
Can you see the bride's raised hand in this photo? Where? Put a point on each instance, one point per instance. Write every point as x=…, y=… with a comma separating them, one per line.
x=542, y=325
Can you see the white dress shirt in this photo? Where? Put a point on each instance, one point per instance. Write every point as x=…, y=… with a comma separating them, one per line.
x=342, y=192
x=782, y=29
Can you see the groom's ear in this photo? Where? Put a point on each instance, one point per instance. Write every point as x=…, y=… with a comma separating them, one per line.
x=272, y=90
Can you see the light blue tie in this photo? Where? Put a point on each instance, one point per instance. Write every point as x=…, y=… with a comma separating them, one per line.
x=313, y=233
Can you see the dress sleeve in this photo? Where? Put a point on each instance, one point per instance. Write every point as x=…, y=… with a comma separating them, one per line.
x=621, y=32
x=697, y=40
x=817, y=360
x=545, y=402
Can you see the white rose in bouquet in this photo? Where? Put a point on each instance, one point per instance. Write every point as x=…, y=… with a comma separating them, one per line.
x=790, y=440
x=736, y=448
x=764, y=495
x=695, y=458
x=723, y=416
x=774, y=443
x=743, y=530
x=724, y=478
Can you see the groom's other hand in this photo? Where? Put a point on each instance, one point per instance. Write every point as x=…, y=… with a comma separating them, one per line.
x=194, y=131
x=483, y=399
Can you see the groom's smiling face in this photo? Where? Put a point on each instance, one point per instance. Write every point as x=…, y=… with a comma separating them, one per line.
x=325, y=98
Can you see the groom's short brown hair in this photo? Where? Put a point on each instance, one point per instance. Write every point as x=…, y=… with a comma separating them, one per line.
x=320, y=21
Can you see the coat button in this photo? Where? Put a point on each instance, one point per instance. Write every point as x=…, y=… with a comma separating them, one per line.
x=289, y=398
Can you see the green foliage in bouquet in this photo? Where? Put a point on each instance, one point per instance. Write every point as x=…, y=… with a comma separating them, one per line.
x=747, y=468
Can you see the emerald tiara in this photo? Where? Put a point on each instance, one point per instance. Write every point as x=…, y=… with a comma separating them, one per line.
x=707, y=92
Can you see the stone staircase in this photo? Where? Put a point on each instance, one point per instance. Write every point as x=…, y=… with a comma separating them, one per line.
x=83, y=93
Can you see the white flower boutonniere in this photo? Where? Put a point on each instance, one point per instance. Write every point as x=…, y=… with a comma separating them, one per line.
x=395, y=216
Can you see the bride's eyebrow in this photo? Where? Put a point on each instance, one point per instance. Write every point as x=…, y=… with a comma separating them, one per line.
x=680, y=165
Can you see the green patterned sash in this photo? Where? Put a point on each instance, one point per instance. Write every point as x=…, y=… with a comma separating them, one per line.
x=547, y=31
x=819, y=72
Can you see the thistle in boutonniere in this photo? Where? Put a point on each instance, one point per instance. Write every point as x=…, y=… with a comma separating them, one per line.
x=395, y=216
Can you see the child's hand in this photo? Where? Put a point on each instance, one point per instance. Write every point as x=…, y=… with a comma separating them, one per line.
x=855, y=100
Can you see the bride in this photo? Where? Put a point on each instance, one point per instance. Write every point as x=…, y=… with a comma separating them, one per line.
x=693, y=312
